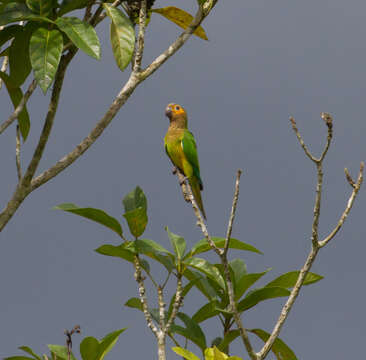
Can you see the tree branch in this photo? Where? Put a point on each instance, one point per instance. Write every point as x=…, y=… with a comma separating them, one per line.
x=356, y=187
x=17, y=154
x=289, y=303
x=223, y=256
x=24, y=186
x=141, y=38
x=233, y=211
x=176, y=305
x=316, y=245
x=142, y=293
x=20, y=106
x=119, y=101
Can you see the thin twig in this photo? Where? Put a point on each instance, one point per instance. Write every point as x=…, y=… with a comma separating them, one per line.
x=233, y=211
x=316, y=245
x=223, y=256
x=20, y=106
x=329, y=122
x=88, y=10
x=17, y=153
x=176, y=305
x=161, y=305
x=141, y=37
x=301, y=141
x=24, y=186
x=183, y=184
x=348, y=208
x=289, y=303
x=142, y=293
x=4, y=66
x=201, y=223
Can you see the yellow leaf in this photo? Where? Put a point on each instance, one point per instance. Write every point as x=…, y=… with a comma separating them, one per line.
x=181, y=18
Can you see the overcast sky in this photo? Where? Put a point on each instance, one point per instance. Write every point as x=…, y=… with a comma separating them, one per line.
x=265, y=61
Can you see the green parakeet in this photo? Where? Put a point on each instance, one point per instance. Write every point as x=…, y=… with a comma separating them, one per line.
x=182, y=151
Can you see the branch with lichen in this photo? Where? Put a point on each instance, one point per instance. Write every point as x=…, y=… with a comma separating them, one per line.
x=222, y=253
x=316, y=245
x=137, y=76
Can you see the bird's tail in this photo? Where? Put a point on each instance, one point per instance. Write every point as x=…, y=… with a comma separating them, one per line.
x=196, y=190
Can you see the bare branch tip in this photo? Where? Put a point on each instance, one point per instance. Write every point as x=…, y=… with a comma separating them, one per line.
x=362, y=166
x=349, y=178
x=328, y=119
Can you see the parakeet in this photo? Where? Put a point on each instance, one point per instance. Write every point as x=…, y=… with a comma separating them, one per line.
x=182, y=151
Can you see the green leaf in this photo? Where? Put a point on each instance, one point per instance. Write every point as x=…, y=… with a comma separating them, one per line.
x=245, y=282
x=279, y=348
x=202, y=284
x=134, y=200
x=122, y=36
x=89, y=348
x=185, y=291
x=70, y=5
x=215, y=354
x=192, y=331
x=19, y=62
x=258, y=295
x=178, y=244
x=61, y=352
x=93, y=349
x=153, y=250
x=207, y=311
x=137, y=221
x=289, y=279
x=239, y=269
x=107, y=343
x=147, y=247
x=41, y=7
x=18, y=358
x=28, y=350
x=116, y=251
x=45, y=54
x=208, y=269
x=185, y=353
x=134, y=303
x=96, y=215
x=166, y=261
x=16, y=96
x=82, y=34
x=9, y=32
x=15, y=11
x=135, y=204
x=202, y=246
x=229, y=337
x=181, y=18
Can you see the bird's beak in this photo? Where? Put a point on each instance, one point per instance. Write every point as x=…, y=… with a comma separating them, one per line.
x=168, y=111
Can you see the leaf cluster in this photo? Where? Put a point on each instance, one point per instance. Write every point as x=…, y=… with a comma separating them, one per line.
x=44, y=31
x=206, y=277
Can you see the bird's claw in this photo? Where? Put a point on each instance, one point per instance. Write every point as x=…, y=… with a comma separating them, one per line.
x=181, y=182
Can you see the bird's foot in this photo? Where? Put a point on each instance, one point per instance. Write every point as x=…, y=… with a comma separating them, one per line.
x=174, y=170
x=181, y=182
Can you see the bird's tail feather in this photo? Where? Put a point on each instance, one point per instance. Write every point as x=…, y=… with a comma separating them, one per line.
x=196, y=190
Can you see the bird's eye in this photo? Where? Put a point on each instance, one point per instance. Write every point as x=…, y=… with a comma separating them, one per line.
x=177, y=108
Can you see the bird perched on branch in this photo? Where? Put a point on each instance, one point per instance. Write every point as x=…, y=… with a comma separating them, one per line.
x=182, y=151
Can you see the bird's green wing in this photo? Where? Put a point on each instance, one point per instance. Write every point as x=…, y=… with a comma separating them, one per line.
x=190, y=151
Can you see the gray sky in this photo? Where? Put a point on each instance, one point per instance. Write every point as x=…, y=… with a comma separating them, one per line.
x=265, y=61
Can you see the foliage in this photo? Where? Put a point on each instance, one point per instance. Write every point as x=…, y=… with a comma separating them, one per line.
x=46, y=31
x=206, y=277
x=90, y=349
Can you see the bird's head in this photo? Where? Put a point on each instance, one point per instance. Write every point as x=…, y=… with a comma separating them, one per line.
x=174, y=110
